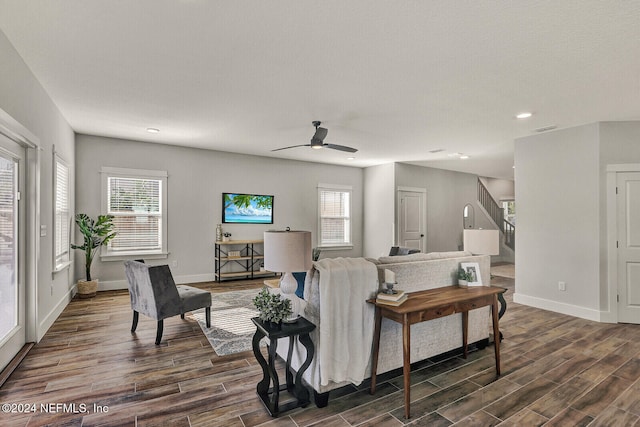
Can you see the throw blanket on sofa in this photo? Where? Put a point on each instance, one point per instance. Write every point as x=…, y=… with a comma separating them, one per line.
x=346, y=330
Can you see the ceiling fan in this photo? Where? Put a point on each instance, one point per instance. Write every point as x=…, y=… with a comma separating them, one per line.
x=317, y=141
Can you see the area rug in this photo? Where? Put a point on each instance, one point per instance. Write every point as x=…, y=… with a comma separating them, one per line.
x=231, y=328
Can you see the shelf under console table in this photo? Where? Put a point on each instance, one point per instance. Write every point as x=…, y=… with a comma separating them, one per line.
x=239, y=259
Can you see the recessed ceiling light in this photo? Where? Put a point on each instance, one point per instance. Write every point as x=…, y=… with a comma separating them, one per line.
x=454, y=154
x=524, y=115
x=351, y=158
x=153, y=130
x=464, y=157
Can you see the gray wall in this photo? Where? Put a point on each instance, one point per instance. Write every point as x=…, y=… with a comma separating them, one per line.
x=500, y=189
x=197, y=178
x=447, y=194
x=561, y=203
x=25, y=100
x=379, y=205
x=619, y=144
x=558, y=224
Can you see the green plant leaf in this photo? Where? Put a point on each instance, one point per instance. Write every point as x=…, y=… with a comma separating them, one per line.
x=94, y=234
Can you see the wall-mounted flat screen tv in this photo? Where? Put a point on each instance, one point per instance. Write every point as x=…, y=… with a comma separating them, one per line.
x=247, y=208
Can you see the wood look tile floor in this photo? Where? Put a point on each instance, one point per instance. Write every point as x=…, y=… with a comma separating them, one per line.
x=556, y=370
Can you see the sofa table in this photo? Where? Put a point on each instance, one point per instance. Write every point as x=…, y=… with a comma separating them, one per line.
x=432, y=304
x=272, y=283
x=270, y=396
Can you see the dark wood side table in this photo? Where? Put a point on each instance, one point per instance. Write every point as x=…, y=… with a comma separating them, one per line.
x=432, y=304
x=270, y=395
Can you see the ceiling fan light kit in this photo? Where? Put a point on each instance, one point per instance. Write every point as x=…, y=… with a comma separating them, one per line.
x=317, y=141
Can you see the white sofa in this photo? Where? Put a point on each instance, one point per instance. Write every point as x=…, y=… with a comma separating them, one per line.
x=413, y=273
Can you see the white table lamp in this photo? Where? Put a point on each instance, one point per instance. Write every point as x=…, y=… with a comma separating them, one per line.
x=288, y=252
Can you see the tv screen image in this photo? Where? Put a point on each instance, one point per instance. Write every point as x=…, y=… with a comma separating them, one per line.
x=247, y=208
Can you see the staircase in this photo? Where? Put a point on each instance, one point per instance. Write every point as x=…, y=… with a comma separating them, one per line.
x=497, y=215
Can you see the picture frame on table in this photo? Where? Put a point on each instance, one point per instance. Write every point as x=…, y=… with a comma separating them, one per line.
x=474, y=269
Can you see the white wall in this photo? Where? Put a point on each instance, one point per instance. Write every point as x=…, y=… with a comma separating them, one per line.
x=26, y=101
x=379, y=205
x=561, y=234
x=447, y=194
x=197, y=179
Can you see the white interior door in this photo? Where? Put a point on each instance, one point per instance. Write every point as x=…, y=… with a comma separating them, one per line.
x=628, y=219
x=12, y=250
x=412, y=219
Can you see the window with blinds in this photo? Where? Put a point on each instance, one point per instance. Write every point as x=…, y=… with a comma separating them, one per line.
x=137, y=201
x=334, y=216
x=62, y=220
x=8, y=220
x=135, y=206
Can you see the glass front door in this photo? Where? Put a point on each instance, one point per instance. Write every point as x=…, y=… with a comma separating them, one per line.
x=8, y=247
x=12, y=300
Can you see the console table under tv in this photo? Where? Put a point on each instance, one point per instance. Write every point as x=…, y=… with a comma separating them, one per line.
x=239, y=259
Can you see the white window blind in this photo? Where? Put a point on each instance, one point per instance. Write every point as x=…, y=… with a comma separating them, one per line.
x=136, y=204
x=335, y=216
x=62, y=220
x=8, y=231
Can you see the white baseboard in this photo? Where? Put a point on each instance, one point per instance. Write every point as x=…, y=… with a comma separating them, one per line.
x=49, y=319
x=559, y=307
x=113, y=285
x=608, y=317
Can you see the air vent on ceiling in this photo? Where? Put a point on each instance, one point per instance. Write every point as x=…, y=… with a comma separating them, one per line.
x=546, y=128
x=438, y=150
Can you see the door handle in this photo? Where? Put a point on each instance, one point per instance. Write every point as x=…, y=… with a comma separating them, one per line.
x=422, y=235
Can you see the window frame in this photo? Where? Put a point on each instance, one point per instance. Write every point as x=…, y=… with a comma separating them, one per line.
x=110, y=172
x=338, y=189
x=64, y=259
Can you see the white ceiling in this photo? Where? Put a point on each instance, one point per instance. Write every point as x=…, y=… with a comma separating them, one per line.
x=394, y=79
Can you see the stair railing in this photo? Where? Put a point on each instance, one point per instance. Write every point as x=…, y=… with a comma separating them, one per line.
x=496, y=213
x=509, y=234
x=493, y=209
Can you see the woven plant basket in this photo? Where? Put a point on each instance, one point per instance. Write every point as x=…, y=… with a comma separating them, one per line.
x=87, y=289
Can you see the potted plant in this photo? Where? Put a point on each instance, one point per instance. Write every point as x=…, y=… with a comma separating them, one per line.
x=464, y=277
x=95, y=234
x=272, y=307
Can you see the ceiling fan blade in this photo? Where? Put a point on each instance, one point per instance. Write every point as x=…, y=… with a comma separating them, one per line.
x=293, y=146
x=340, y=147
x=316, y=141
x=320, y=135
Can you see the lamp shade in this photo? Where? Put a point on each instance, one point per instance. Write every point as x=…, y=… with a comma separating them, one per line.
x=482, y=242
x=287, y=251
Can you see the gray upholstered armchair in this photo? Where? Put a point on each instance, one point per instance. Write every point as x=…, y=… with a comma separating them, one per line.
x=154, y=293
